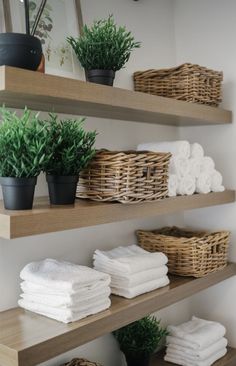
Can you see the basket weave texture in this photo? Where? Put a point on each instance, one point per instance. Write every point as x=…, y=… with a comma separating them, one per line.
x=81, y=362
x=187, y=82
x=125, y=176
x=189, y=253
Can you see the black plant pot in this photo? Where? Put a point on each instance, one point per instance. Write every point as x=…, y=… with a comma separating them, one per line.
x=62, y=189
x=105, y=77
x=20, y=50
x=18, y=193
x=137, y=362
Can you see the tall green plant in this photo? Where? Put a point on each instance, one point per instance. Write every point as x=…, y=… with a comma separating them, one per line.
x=71, y=147
x=23, y=144
x=104, y=45
x=140, y=339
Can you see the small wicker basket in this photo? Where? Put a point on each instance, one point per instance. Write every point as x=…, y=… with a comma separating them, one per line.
x=189, y=253
x=81, y=362
x=125, y=176
x=188, y=82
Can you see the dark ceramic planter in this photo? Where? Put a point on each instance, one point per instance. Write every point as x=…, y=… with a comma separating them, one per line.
x=20, y=50
x=18, y=193
x=62, y=189
x=105, y=77
x=137, y=362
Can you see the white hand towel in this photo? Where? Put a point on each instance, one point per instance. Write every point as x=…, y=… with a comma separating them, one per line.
x=172, y=185
x=186, y=362
x=65, y=315
x=195, y=167
x=131, y=259
x=135, y=279
x=61, y=275
x=207, y=165
x=201, y=333
x=203, y=183
x=196, y=151
x=186, y=185
x=200, y=354
x=179, y=166
x=129, y=293
x=216, y=182
x=176, y=148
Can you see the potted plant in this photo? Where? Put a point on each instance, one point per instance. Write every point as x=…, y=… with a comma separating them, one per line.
x=103, y=49
x=139, y=340
x=71, y=150
x=23, y=154
x=23, y=50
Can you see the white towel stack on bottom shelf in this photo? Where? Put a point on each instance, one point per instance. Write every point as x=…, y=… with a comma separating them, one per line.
x=63, y=291
x=133, y=270
x=198, y=342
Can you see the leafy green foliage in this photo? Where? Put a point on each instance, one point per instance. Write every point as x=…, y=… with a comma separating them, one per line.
x=103, y=46
x=141, y=338
x=71, y=147
x=23, y=144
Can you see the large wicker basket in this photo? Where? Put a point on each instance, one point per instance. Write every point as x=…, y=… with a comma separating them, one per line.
x=188, y=82
x=81, y=362
x=189, y=253
x=125, y=176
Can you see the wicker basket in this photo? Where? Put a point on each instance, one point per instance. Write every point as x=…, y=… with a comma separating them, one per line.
x=191, y=83
x=81, y=362
x=189, y=253
x=126, y=176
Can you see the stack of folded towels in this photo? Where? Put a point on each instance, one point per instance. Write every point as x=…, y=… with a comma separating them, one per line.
x=133, y=270
x=198, y=342
x=63, y=291
x=190, y=171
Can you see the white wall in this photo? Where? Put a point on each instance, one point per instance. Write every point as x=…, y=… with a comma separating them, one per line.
x=205, y=34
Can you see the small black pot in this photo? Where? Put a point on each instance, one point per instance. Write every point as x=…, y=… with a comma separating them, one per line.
x=20, y=50
x=137, y=362
x=18, y=193
x=105, y=77
x=62, y=189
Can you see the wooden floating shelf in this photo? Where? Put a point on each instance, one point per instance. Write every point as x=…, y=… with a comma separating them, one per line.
x=45, y=218
x=41, y=92
x=228, y=360
x=27, y=339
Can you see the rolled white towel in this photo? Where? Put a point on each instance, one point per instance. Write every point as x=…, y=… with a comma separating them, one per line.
x=185, y=361
x=186, y=185
x=172, y=185
x=203, y=183
x=176, y=148
x=216, y=182
x=179, y=166
x=196, y=151
x=208, y=165
x=195, y=167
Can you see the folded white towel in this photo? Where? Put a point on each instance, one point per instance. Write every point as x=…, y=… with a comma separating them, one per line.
x=195, y=167
x=207, y=165
x=131, y=259
x=61, y=275
x=132, y=280
x=198, y=332
x=65, y=315
x=172, y=185
x=176, y=148
x=203, y=183
x=200, y=354
x=186, y=185
x=196, y=151
x=216, y=182
x=140, y=289
x=179, y=166
x=186, y=362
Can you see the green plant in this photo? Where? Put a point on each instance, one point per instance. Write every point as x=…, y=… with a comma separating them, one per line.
x=23, y=144
x=71, y=147
x=103, y=46
x=140, y=339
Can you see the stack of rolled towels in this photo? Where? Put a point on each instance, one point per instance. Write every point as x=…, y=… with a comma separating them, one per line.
x=198, y=342
x=190, y=170
x=63, y=291
x=133, y=270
